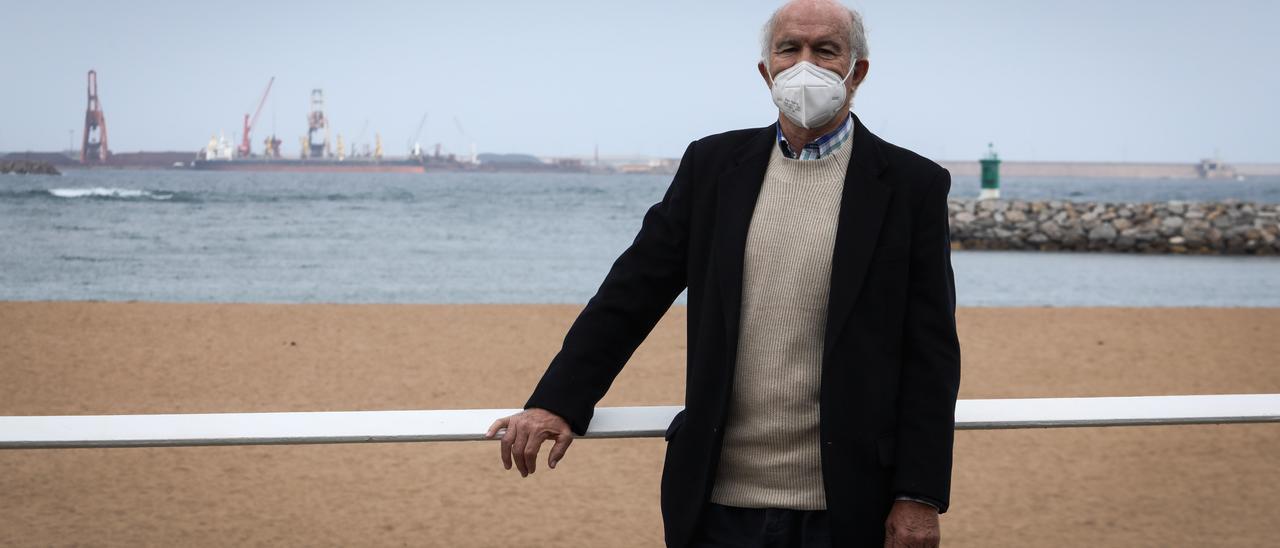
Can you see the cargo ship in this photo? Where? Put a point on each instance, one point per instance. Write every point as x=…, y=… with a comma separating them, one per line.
x=318, y=165
x=309, y=166
x=317, y=153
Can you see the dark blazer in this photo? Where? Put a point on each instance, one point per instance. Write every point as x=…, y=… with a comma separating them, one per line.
x=891, y=367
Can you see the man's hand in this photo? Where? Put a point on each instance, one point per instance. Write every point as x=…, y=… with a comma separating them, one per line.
x=911, y=525
x=525, y=433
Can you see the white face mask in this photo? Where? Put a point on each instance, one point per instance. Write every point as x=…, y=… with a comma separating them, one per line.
x=809, y=95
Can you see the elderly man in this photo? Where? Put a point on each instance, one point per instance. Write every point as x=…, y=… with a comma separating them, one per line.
x=823, y=362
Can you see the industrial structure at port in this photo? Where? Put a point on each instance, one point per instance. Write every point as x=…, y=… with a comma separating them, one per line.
x=321, y=151
x=316, y=153
x=93, y=149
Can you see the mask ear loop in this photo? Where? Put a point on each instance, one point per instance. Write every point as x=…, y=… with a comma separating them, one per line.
x=852, y=67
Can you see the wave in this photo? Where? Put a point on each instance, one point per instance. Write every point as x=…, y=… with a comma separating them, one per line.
x=118, y=193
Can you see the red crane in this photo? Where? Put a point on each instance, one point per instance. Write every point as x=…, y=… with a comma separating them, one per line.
x=245, y=146
x=93, y=148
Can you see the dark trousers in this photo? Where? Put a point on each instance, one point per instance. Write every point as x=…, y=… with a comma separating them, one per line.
x=733, y=527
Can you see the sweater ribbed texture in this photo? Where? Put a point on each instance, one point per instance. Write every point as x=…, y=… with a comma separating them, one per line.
x=771, y=454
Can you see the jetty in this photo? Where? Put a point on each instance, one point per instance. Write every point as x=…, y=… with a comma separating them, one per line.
x=28, y=167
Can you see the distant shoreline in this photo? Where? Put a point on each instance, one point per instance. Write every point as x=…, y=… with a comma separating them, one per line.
x=1129, y=170
x=1008, y=168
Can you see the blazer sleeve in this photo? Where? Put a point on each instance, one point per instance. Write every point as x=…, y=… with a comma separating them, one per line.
x=639, y=288
x=930, y=378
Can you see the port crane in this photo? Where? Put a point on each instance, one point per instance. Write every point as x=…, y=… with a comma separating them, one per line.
x=245, y=144
x=415, y=146
x=360, y=139
x=93, y=149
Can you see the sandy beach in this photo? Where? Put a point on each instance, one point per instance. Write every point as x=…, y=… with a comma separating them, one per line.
x=1143, y=486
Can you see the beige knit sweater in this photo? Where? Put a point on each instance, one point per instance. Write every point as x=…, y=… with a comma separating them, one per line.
x=771, y=457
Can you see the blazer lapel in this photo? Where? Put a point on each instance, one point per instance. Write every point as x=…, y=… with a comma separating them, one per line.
x=737, y=190
x=862, y=209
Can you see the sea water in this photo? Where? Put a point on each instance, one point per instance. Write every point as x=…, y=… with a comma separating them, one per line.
x=456, y=237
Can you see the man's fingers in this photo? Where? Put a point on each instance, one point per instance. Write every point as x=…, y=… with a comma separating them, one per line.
x=892, y=534
x=909, y=526
x=523, y=437
x=891, y=539
x=497, y=425
x=505, y=450
x=534, y=445
x=517, y=449
x=558, y=450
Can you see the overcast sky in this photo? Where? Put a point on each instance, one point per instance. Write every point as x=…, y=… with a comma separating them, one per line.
x=1087, y=80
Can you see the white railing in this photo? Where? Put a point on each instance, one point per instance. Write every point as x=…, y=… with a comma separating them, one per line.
x=45, y=432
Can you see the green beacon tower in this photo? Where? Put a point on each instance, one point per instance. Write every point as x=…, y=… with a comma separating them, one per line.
x=990, y=175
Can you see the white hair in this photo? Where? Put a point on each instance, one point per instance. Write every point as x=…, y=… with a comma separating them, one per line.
x=857, y=36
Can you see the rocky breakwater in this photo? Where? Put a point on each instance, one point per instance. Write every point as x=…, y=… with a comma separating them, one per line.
x=1229, y=228
x=27, y=167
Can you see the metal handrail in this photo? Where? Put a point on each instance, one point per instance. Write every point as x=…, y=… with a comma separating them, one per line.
x=180, y=430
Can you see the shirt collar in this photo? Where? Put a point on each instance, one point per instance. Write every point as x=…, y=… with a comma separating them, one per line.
x=820, y=147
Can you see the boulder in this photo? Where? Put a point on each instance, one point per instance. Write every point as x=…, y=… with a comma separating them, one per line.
x=1102, y=233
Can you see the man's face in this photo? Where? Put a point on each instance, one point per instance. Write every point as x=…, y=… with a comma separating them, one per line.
x=817, y=33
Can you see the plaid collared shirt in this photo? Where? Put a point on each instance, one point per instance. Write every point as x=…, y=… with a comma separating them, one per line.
x=820, y=147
